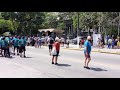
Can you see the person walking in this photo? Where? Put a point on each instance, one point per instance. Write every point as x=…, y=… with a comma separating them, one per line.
x=87, y=50
x=50, y=41
x=22, y=44
x=15, y=44
x=56, y=45
x=1, y=46
x=39, y=42
x=5, y=47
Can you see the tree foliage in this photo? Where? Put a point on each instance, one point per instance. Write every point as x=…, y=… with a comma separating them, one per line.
x=30, y=22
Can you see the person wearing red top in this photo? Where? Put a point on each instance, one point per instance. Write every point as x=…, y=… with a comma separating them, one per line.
x=57, y=46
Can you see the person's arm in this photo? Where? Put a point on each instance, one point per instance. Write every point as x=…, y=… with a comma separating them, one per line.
x=86, y=46
x=59, y=46
x=25, y=42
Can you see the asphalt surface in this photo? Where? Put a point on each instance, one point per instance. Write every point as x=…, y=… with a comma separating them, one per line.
x=37, y=64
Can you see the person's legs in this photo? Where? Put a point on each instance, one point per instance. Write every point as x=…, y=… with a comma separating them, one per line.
x=63, y=44
x=53, y=59
x=38, y=44
x=14, y=50
x=56, y=57
x=89, y=59
x=20, y=51
x=17, y=50
x=85, y=61
x=4, y=51
x=24, y=50
x=49, y=49
x=8, y=52
x=1, y=51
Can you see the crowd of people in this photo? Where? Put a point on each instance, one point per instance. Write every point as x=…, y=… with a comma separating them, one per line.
x=8, y=45
x=16, y=45
x=112, y=42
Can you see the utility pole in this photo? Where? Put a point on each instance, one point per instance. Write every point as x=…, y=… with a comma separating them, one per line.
x=119, y=26
x=78, y=28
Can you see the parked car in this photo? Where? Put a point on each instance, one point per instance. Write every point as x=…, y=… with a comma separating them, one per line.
x=74, y=41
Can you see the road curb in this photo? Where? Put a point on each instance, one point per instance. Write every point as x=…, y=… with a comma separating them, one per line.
x=93, y=51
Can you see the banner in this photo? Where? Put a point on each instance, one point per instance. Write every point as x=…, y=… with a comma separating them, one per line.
x=95, y=39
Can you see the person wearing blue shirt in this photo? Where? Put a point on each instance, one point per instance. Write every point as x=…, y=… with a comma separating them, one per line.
x=22, y=44
x=5, y=47
x=15, y=44
x=1, y=45
x=87, y=50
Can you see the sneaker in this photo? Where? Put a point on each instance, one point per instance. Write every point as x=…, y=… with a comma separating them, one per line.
x=18, y=54
x=84, y=66
x=24, y=56
x=87, y=67
x=56, y=63
x=52, y=62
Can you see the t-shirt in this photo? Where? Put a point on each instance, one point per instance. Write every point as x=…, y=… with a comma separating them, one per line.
x=62, y=40
x=110, y=41
x=15, y=41
x=50, y=40
x=87, y=46
x=57, y=46
x=0, y=42
x=22, y=42
x=4, y=43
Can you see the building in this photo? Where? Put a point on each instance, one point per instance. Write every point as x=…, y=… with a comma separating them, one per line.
x=52, y=31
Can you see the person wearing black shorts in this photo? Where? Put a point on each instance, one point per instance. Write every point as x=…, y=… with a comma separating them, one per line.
x=22, y=49
x=15, y=44
x=50, y=41
x=22, y=44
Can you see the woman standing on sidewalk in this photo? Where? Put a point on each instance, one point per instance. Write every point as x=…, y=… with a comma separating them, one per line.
x=57, y=47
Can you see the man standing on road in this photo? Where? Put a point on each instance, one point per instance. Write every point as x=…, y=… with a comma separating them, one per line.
x=87, y=50
x=50, y=41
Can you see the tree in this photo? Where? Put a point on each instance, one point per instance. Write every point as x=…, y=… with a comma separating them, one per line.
x=23, y=21
x=5, y=25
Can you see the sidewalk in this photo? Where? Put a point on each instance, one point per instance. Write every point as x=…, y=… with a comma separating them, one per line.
x=104, y=50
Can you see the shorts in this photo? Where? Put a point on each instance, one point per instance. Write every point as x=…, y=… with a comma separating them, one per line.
x=62, y=42
x=21, y=49
x=87, y=56
x=0, y=47
x=56, y=54
x=16, y=47
x=50, y=46
x=43, y=43
x=67, y=43
x=3, y=48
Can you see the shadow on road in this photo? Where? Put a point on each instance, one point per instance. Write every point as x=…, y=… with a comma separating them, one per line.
x=97, y=69
x=28, y=57
x=63, y=65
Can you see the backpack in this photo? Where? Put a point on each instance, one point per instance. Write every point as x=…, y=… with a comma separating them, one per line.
x=51, y=41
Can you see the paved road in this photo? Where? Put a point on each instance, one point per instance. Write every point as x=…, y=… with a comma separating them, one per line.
x=71, y=62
